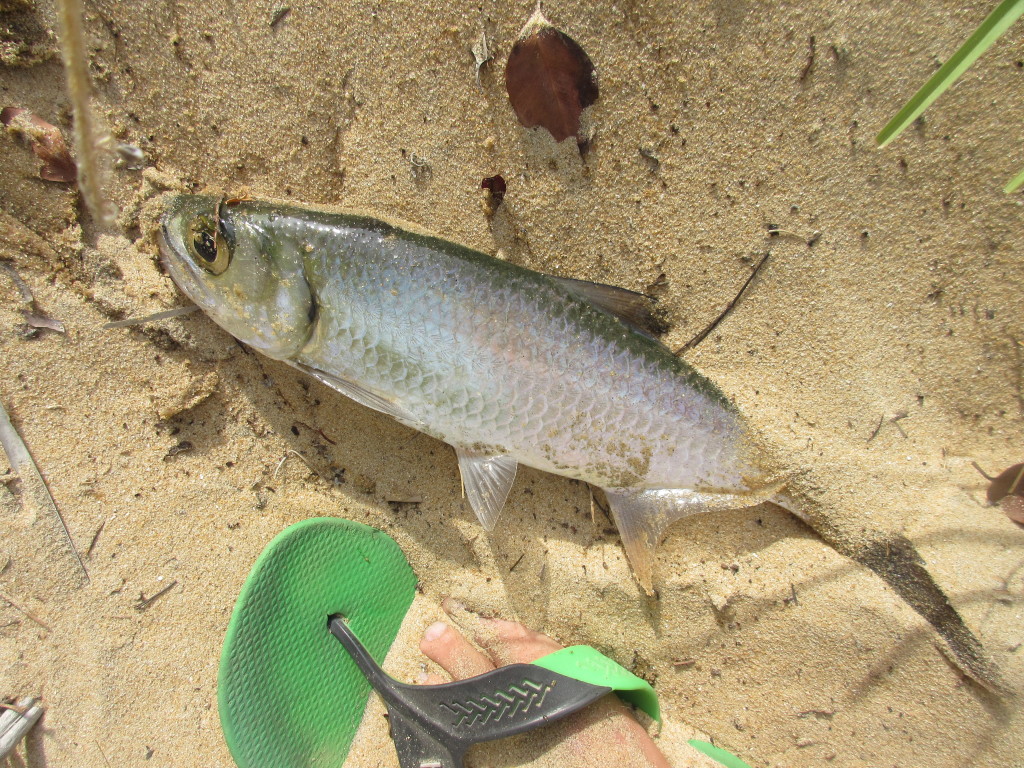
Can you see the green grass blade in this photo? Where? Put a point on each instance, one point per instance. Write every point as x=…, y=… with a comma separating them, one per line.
x=1015, y=183
x=717, y=754
x=990, y=29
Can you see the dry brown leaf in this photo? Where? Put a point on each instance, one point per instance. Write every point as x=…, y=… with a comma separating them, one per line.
x=46, y=141
x=550, y=79
x=1007, y=490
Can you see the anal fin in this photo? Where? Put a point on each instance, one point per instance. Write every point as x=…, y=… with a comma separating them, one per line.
x=642, y=517
x=487, y=480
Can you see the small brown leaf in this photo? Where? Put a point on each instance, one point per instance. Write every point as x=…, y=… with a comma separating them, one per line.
x=35, y=320
x=1013, y=506
x=496, y=185
x=549, y=78
x=1007, y=490
x=46, y=141
x=1006, y=483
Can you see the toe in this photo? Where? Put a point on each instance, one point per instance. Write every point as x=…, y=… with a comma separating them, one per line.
x=430, y=679
x=456, y=656
x=509, y=642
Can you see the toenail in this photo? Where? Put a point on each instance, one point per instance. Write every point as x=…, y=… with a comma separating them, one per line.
x=434, y=631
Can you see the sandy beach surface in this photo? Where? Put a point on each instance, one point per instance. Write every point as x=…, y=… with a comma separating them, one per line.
x=886, y=357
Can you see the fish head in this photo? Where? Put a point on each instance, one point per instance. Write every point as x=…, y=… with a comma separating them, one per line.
x=227, y=260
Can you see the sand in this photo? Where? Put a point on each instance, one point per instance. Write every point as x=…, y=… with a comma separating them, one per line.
x=175, y=455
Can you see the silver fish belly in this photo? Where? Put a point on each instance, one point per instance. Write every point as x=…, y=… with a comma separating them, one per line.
x=506, y=365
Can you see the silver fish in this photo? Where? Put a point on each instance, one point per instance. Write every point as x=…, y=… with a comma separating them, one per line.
x=507, y=366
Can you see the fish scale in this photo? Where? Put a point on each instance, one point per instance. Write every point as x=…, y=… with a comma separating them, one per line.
x=505, y=349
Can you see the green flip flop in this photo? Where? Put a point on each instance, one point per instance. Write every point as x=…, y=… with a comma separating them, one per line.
x=287, y=697
x=291, y=697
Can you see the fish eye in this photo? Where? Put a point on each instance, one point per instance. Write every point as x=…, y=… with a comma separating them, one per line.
x=207, y=247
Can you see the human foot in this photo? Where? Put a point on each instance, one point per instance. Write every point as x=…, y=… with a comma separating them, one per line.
x=604, y=733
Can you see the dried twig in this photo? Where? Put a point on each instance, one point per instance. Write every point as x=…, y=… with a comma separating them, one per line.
x=33, y=317
x=15, y=723
x=810, y=60
x=318, y=431
x=25, y=611
x=87, y=134
x=145, y=602
x=728, y=308
x=878, y=429
x=792, y=599
x=32, y=479
x=176, y=312
x=103, y=753
x=595, y=503
x=26, y=293
x=301, y=458
x=895, y=421
x=95, y=538
x=982, y=472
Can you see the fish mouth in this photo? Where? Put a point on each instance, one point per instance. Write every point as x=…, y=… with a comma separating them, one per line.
x=185, y=273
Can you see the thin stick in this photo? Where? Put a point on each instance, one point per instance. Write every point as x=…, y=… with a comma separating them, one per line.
x=15, y=723
x=25, y=611
x=87, y=136
x=728, y=308
x=145, y=603
x=22, y=463
x=878, y=429
x=810, y=60
x=895, y=421
x=595, y=503
x=982, y=471
x=102, y=753
x=26, y=293
x=95, y=538
x=176, y=312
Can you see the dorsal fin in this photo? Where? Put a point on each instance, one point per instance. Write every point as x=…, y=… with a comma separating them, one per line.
x=634, y=309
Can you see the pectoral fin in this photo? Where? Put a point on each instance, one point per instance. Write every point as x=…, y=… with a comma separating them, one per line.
x=361, y=395
x=487, y=480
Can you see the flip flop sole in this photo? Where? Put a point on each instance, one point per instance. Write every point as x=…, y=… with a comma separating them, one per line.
x=288, y=696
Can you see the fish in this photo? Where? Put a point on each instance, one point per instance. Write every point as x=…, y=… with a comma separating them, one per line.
x=509, y=366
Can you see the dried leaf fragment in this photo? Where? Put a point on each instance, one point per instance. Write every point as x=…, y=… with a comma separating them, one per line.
x=1007, y=490
x=46, y=141
x=549, y=78
x=481, y=51
x=42, y=321
x=496, y=186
